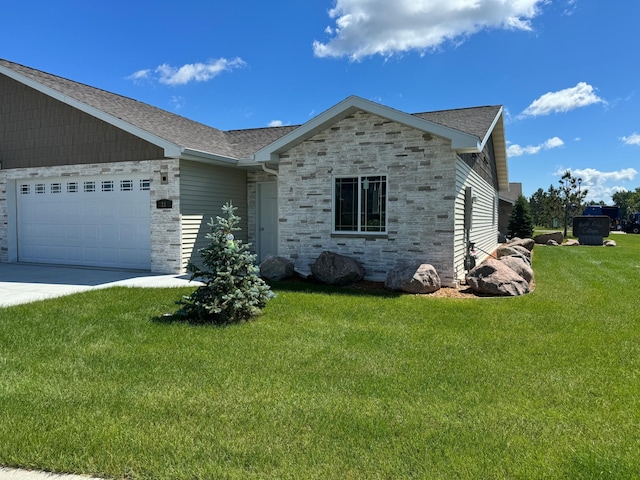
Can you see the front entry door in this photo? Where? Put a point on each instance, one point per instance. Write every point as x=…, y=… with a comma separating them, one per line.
x=267, y=220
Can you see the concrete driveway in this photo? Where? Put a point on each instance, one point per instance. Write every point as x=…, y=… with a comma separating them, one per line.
x=24, y=283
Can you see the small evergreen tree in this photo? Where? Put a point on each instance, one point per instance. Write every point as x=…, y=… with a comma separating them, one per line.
x=521, y=222
x=232, y=290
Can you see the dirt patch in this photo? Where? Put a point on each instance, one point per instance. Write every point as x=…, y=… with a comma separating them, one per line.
x=444, y=292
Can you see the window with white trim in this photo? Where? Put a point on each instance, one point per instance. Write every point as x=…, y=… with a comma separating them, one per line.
x=72, y=187
x=25, y=189
x=40, y=188
x=107, y=185
x=145, y=184
x=56, y=187
x=360, y=204
x=126, y=185
x=89, y=186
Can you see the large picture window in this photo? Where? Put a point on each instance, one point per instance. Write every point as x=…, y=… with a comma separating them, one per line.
x=360, y=204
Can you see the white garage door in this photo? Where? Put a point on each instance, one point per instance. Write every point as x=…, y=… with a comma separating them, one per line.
x=93, y=221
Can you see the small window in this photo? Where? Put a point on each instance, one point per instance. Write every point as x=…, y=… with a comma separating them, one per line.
x=25, y=189
x=89, y=187
x=126, y=185
x=145, y=184
x=56, y=187
x=72, y=187
x=40, y=188
x=107, y=185
x=360, y=204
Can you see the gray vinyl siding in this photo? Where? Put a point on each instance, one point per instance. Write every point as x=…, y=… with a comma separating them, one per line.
x=484, y=224
x=204, y=189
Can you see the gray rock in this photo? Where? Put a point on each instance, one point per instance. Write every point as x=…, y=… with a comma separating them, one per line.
x=335, y=269
x=520, y=266
x=524, y=251
x=543, y=239
x=527, y=243
x=496, y=278
x=276, y=268
x=414, y=279
x=515, y=250
x=504, y=251
x=552, y=243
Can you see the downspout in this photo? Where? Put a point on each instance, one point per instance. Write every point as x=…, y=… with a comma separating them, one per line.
x=268, y=170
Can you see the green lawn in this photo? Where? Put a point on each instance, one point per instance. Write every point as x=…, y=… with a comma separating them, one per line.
x=336, y=384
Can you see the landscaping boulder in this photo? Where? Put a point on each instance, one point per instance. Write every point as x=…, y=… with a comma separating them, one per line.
x=496, y=278
x=520, y=266
x=414, y=279
x=523, y=251
x=335, y=269
x=275, y=269
x=610, y=243
x=552, y=243
x=543, y=239
x=527, y=243
x=506, y=251
x=571, y=243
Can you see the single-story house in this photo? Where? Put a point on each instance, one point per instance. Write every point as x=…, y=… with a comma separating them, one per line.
x=88, y=177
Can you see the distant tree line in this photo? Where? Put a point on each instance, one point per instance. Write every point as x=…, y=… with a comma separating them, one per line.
x=551, y=208
x=557, y=206
x=629, y=202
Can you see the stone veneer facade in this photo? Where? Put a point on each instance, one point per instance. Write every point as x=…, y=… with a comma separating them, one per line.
x=420, y=170
x=165, y=224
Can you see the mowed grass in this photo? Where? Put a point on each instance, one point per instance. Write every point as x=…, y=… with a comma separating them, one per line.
x=332, y=383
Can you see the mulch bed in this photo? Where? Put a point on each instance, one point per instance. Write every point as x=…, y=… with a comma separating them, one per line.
x=444, y=292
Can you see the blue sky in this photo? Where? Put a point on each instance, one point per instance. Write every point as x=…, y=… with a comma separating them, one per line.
x=566, y=71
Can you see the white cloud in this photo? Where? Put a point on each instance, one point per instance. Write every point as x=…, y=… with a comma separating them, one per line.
x=633, y=139
x=383, y=27
x=196, y=72
x=582, y=95
x=572, y=6
x=516, y=150
x=275, y=123
x=178, y=101
x=601, y=185
x=140, y=75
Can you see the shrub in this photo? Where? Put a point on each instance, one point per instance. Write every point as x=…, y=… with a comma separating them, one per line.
x=232, y=290
x=521, y=222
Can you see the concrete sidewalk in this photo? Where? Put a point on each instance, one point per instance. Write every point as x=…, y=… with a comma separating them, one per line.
x=24, y=283
x=15, y=474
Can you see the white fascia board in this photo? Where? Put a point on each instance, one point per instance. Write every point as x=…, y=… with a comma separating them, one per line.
x=500, y=150
x=171, y=149
x=204, y=157
x=460, y=141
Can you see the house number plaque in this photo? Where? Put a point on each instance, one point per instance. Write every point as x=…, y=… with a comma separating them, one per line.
x=164, y=203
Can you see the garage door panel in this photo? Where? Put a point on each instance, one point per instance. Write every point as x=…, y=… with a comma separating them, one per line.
x=75, y=222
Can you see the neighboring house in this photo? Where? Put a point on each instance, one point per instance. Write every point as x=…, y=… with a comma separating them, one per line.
x=88, y=177
x=508, y=199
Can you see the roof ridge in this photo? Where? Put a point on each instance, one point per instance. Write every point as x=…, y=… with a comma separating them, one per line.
x=456, y=109
x=233, y=130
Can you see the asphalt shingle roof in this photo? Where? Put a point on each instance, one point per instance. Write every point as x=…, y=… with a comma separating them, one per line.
x=166, y=125
x=235, y=144
x=474, y=120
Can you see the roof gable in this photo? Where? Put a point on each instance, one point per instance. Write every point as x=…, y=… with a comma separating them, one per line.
x=178, y=136
x=469, y=129
x=461, y=141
